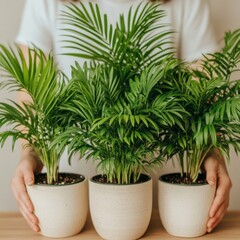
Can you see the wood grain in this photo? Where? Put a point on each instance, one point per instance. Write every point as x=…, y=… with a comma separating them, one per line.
x=14, y=227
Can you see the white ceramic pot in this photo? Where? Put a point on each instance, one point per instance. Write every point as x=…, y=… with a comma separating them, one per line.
x=61, y=210
x=120, y=212
x=184, y=209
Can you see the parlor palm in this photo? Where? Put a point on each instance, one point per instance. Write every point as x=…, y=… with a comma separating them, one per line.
x=34, y=121
x=118, y=110
x=211, y=98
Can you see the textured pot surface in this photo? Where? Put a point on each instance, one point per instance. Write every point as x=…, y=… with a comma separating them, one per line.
x=61, y=210
x=184, y=209
x=120, y=212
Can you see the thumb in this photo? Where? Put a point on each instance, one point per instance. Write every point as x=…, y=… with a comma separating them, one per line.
x=211, y=171
x=28, y=175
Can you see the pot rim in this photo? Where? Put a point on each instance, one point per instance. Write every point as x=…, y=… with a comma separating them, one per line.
x=149, y=178
x=180, y=185
x=64, y=185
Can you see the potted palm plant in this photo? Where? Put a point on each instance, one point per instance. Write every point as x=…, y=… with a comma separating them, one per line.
x=118, y=110
x=211, y=124
x=60, y=199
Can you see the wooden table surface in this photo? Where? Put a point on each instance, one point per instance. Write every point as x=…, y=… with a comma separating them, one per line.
x=13, y=226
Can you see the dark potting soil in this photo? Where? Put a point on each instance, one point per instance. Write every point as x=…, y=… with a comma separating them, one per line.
x=176, y=178
x=63, y=179
x=103, y=179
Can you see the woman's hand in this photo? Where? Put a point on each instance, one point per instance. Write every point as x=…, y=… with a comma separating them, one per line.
x=216, y=171
x=24, y=175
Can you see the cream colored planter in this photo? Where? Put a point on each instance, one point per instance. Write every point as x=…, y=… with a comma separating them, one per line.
x=120, y=212
x=184, y=209
x=61, y=210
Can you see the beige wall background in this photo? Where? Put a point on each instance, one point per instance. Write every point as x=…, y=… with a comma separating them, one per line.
x=225, y=16
x=10, y=16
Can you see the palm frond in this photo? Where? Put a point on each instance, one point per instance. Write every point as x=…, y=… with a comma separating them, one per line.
x=137, y=39
x=38, y=76
x=223, y=63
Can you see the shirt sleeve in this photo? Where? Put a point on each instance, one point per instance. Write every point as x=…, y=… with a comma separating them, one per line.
x=197, y=35
x=35, y=28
